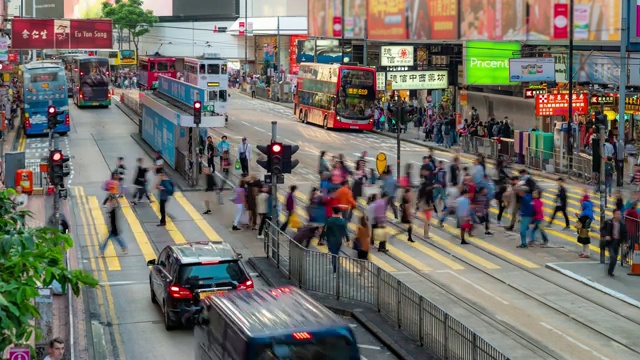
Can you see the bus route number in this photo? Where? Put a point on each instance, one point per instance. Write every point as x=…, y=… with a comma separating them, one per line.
x=353, y=91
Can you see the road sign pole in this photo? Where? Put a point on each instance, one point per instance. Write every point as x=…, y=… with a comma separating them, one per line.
x=196, y=157
x=274, y=181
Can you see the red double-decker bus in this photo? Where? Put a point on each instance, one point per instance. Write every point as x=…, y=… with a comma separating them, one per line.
x=149, y=67
x=336, y=96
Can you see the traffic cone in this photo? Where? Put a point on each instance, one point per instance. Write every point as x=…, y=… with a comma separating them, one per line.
x=113, y=91
x=122, y=98
x=635, y=261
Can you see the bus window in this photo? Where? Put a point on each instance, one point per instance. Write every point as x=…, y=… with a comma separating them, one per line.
x=213, y=95
x=213, y=69
x=162, y=66
x=223, y=95
x=203, y=69
x=223, y=69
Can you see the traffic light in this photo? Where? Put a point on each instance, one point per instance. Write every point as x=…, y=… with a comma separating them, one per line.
x=275, y=161
x=52, y=117
x=289, y=164
x=197, y=112
x=265, y=163
x=56, y=167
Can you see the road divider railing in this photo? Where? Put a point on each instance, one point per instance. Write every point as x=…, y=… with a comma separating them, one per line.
x=365, y=282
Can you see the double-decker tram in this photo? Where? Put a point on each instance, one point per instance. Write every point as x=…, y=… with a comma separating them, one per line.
x=209, y=72
x=149, y=67
x=335, y=96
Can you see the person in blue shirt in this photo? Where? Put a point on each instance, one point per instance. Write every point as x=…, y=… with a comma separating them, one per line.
x=463, y=213
x=223, y=145
x=390, y=186
x=526, y=216
x=165, y=191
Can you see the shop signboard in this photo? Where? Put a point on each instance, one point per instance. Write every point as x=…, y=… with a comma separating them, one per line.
x=558, y=104
x=532, y=69
x=602, y=100
x=396, y=56
x=539, y=20
x=418, y=80
x=380, y=84
x=386, y=19
x=433, y=19
x=487, y=63
x=632, y=103
x=533, y=90
x=61, y=34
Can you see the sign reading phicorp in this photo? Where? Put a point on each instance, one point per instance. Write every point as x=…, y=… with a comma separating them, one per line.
x=61, y=34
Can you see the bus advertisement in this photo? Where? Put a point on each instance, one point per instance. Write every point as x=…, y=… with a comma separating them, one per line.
x=44, y=84
x=91, y=77
x=335, y=96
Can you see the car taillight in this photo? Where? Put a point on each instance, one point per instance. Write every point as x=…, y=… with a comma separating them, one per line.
x=247, y=285
x=179, y=292
x=27, y=123
x=66, y=120
x=80, y=94
x=302, y=336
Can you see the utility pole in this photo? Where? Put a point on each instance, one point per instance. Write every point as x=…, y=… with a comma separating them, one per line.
x=624, y=39
x=399, y=118
x=342, y=34
x=277, y=57
x=246, y=43
x=274, y=178
x=602, y=187
x=364, y=61
x=570, y=80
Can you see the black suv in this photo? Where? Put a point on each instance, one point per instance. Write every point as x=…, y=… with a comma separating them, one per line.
x=184, y=274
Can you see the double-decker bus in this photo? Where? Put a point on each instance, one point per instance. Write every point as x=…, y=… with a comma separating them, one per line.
x=336, y=96
x=210, y=73
x=149, y=67
x=127, y=58
x=91, y=78
x=43, y=83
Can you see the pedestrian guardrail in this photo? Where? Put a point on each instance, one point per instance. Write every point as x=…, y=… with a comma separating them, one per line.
x=365, y=282
x=39, y=178
x=492, y=148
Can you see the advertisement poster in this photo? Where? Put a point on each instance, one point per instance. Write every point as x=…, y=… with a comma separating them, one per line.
x=594, y=20
x=597, y=67
x=322, y=15
x=433, y=19
x=387, y=19
x=4, y=49
x=487, y=63
x=158, y=132
x=532, y=69
x=294, y=40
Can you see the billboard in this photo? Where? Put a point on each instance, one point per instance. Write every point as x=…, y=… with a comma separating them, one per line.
x=92, y=9
x=487, y=63
x=180, y=90
x=396, y=56
x=597, y=67
x=46, y=9
x=418, y=80
x=61, y=34
x=158, y=130
x=532, y=69
x=387, y=20
x=433, y=19
x=539, y=20
x=294, y=66
x=322, y=14
x=320, y=51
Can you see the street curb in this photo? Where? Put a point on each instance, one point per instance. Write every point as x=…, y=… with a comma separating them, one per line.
x=16, y=139
x=592, y=284
x=357, y=314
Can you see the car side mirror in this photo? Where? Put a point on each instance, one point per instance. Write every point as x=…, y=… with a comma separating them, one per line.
x=151, y=262
x=239, y=255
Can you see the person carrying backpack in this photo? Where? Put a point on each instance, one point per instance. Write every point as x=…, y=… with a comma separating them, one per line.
x=165, y=189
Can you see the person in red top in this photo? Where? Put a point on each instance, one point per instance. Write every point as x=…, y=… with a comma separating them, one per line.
x=632, y=221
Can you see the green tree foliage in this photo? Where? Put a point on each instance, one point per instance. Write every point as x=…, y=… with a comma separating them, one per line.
x=129, y=16
x=30, y=257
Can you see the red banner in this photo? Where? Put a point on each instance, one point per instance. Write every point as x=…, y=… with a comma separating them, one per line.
x=61, y=34
x=387, y=20
x=561, y=21
x=337, y=26
x=558, y=104
x=294, y=67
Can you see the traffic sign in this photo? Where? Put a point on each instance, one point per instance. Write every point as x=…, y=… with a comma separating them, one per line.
x=20, y=353
x=381, y=162
x=241, y=28
x=210, y=108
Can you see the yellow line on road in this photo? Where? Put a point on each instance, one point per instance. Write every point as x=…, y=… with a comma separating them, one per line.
x=22, y=142
x=202, y=223
x=175, y=234
x=429, y=252
x=138, y=231
x=110, y=256
x=92, y=234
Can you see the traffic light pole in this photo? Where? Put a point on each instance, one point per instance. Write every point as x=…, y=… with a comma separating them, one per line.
x=274, y=180
x=196, y=156
x=399, y=120
x=603, y=189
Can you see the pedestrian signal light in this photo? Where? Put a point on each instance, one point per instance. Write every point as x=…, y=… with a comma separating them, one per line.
x=197, y=112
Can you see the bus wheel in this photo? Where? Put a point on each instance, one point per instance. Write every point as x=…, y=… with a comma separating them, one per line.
x=64, y=133
x=325, y=122
x=300, y=115
x=306, y=117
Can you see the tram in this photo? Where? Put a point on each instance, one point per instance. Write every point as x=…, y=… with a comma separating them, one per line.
x=209, y=72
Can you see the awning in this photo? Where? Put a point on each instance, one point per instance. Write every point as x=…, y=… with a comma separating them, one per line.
x=289, y=25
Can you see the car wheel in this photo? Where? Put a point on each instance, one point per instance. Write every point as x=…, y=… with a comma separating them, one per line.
x=168, y=325
x=325, y=123
x=153, y=296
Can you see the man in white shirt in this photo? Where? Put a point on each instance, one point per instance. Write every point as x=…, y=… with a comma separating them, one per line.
x=244, y=155
x=56, y=349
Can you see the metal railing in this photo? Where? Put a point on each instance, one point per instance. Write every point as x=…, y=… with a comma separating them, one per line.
x=491, y=148
x=577, y=166
x=365, y=282
x=39, y=178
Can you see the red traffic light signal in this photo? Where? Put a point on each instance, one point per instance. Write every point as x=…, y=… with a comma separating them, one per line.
x=197, y=105
x=51, y=109
x=276, y=148
x=56, y=156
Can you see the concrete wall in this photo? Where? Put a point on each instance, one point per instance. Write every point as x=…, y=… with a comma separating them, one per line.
x=522, y=112
x=193, y=39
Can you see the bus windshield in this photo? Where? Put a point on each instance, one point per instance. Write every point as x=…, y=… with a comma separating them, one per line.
x=335, y=347
x=356, y=95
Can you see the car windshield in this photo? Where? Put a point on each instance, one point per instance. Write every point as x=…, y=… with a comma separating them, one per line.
x=219, y=274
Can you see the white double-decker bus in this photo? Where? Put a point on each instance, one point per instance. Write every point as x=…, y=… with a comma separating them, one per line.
x=209, y=72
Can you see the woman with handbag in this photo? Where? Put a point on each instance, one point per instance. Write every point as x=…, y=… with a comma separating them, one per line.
x=361, y=243
x=407, y=213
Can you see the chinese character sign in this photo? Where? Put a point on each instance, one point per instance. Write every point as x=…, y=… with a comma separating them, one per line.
x=396, y=56
x=61, y=34
x=380, y=81
x=558, y=104
x=418, y=80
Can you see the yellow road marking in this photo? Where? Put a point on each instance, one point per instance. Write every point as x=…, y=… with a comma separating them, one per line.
x=138, y=231
x=170, y=227
x=209, y=232
x=110, y=256
x=22, y=143
x=430, y=252
x=94, y=240
x=501, y=251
